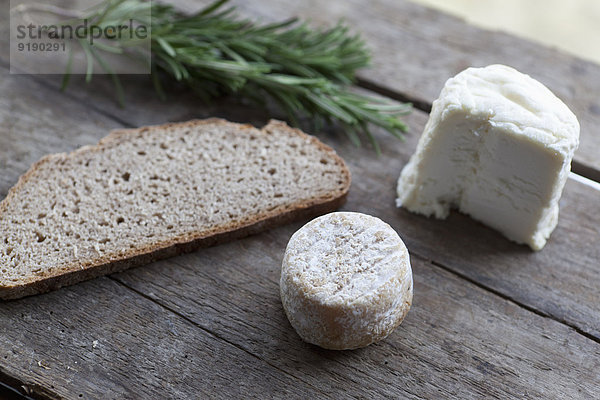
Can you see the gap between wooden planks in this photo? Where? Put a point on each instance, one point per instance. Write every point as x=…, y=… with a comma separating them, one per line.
x=212, y=325
x=558, y=281
x=69, y=144
x=438, y=46
x=416, y=49
x=50, y=106
x=100, y=339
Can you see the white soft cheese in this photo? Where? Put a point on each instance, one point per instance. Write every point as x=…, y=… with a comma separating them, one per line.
x=498, y=146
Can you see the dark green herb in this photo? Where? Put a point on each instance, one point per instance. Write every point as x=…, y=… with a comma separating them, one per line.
x=305, y=71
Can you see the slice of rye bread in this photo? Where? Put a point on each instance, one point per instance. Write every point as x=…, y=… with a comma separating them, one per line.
x=144, y=194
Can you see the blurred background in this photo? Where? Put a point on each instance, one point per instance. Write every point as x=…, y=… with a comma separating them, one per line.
x=570, y=25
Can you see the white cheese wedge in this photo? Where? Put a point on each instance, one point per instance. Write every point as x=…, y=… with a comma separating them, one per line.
x=498, y=146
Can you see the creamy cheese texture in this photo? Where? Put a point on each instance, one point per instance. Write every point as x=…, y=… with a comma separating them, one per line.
x=498, y=146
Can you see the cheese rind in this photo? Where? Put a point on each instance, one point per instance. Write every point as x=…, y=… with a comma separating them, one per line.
x=346, y=280
x=498, y=146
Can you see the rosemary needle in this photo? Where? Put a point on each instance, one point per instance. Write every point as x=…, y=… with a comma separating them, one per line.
x=307, y=72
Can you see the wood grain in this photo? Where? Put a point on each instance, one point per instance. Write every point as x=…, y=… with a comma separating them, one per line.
x=416, y=49
x=34, y=123
x=458, y=341
x=102, y=340
x=558, y=281
x=490, y=318
x=445, y=346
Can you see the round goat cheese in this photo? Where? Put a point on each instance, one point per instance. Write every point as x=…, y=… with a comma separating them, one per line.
x=346, y=280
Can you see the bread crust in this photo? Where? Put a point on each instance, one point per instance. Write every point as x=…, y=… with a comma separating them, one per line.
x=110, y=263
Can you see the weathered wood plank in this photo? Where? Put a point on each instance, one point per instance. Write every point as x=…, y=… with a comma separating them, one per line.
x=558, y=281
x=438, y=359
x=458, y=340
x=33, y=124
x=415, y=49
x=36, y=120
x=102, y=340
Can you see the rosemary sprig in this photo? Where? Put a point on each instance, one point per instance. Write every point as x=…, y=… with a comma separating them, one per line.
x=305, y=71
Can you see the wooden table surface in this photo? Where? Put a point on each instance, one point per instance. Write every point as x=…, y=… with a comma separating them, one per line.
x=489, y=319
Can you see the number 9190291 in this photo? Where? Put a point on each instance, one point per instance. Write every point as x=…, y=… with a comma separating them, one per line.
x=41, y=46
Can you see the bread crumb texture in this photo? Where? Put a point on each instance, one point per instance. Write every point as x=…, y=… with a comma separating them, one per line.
x=142, y=190
x=346, y=280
